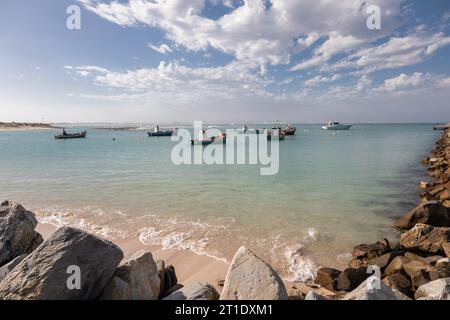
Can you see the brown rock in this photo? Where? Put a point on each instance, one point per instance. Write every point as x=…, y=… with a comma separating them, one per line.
x=370, y=251
x=432, y=213
x=445, y=195
x=446, y=248
x=425, y=238
x=424, y=185
x=420, y=273
x=326, y=276
x=399, y=282
x=384, y=260
x=295, y=294
x=351, y=278
x=437, y=189
x=427, y=259
x=396, y=266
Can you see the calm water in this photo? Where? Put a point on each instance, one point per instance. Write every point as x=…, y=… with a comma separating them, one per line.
x=333, y=191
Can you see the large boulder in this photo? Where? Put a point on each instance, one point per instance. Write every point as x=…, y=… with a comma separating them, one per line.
x=423, y=237
x=17, y=235
x=140, y=274
x=195, y=291
x=7, y=268
x=434, y=290
x=49, y=272
x=420, y=273
x=371, y=289
x=424, y=259
x=398, y=282
x=396, y=265
x=432, y=213
x=250, y=278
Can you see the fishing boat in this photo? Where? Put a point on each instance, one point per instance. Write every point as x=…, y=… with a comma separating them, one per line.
x=290, y=130
x=204, y=140
x=65, y=135
x=166, y=133
x=276, y=133
x=336, y=126
x=160, y=133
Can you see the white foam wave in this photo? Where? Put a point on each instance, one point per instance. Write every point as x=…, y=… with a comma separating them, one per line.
x=300, y=267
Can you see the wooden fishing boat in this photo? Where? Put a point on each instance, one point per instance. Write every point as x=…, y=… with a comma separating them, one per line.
x=167, y=133
x=71, y=135
x=204, y=142
x=289, y=130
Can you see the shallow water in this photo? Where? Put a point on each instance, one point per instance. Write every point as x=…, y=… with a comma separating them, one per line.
x=333, y=191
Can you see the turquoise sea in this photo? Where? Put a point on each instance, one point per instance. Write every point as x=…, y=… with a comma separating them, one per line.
x=334, y=190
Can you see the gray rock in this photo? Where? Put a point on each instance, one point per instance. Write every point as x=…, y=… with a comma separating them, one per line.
x=368, y=291
x=43, y=274
x=17, y=235
x=434, y=290
x=250, y=278
x=141, y=277
x=426, y=238
x=195, y=291
x=168, y=278
x=312, y=295
x=10, y=265
x=116, y=289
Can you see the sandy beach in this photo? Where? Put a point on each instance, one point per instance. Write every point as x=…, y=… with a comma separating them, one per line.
x=16, y=126
x=189, y=266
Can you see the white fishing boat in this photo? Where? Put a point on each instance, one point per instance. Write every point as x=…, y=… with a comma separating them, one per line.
x=336, y=126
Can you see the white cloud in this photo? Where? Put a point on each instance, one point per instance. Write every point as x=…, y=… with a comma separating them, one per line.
x=404, y=82
x=445, y=82
x=172, y=80
x=335, y=44
x=319, y=79
x=254, y=32
x=162, y=49
x=85, y=71
x=395, y=53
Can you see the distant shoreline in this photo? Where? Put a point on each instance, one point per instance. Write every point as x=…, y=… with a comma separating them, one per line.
x=25, y=126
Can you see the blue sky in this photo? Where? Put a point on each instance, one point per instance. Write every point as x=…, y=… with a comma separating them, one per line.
x=224, y=61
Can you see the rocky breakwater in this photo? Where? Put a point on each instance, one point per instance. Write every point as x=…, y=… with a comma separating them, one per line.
x=418, y=266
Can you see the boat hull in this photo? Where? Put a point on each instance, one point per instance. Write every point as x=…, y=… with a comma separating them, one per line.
x=160, y=134
x=80, y=135
x=339, y=127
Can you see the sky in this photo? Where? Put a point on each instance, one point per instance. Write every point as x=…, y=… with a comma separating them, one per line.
x=148, y=61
